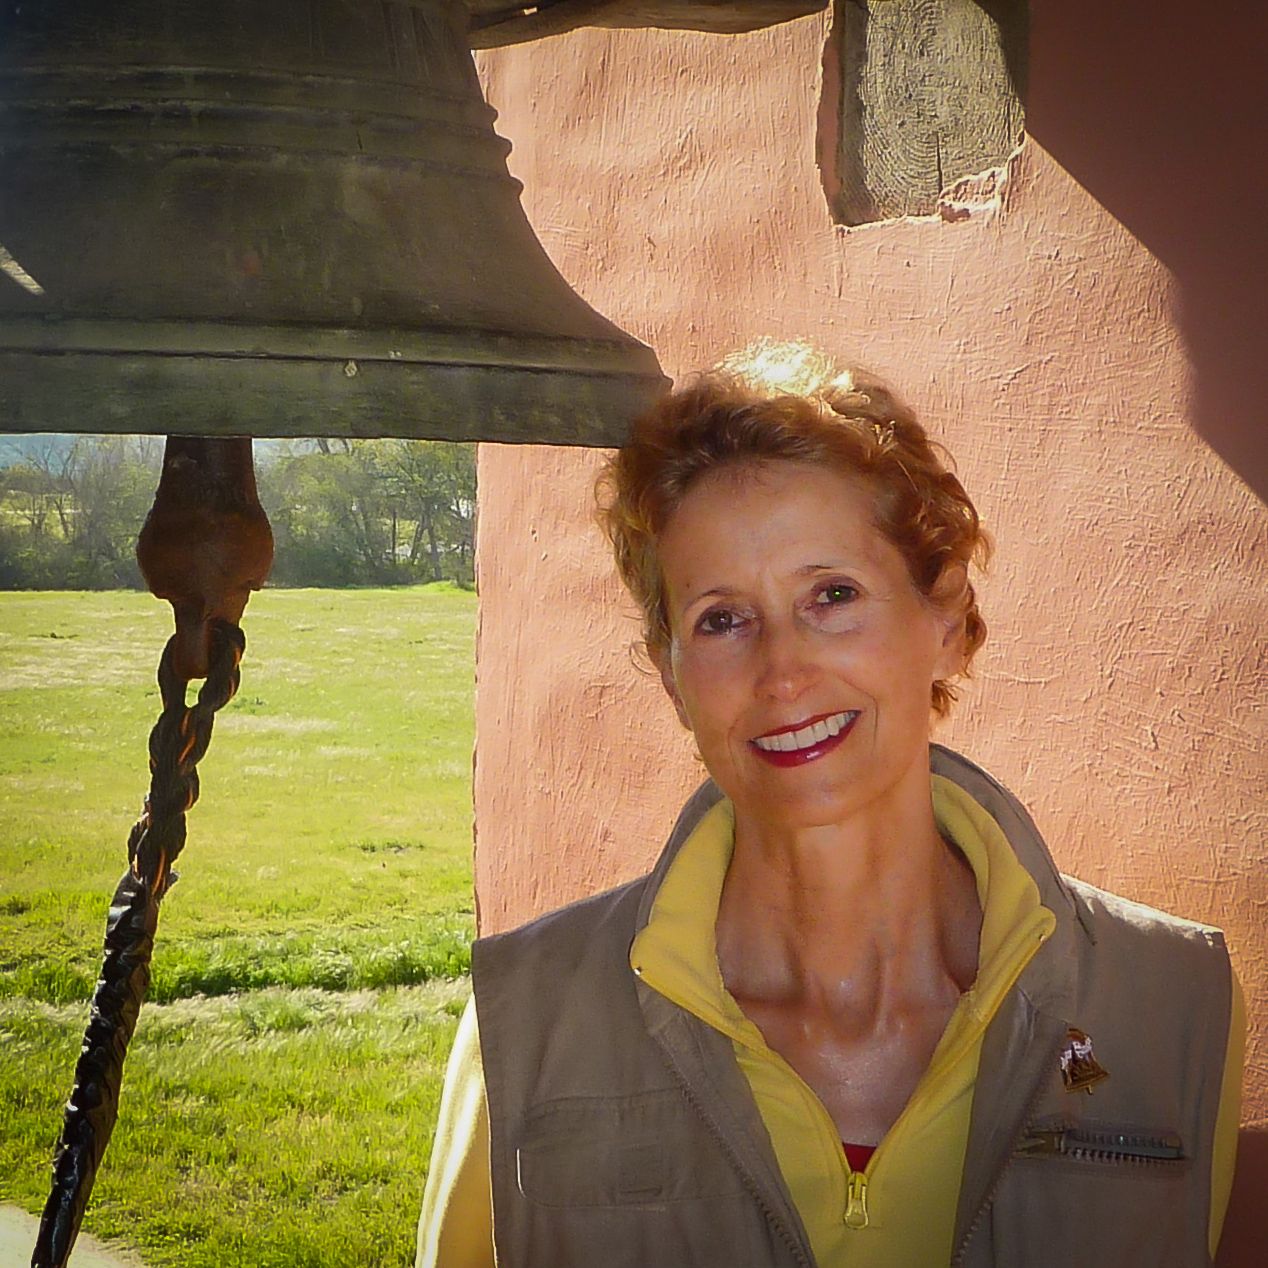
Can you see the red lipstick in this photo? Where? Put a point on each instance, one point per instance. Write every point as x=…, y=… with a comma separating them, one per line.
x=800, y=756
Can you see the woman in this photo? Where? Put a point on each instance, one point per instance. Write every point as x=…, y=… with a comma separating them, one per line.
x=854, y=1016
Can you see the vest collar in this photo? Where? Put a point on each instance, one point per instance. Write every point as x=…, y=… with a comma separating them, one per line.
x=991, y=795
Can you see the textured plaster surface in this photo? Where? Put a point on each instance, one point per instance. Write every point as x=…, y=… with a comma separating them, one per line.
x=1121, y=693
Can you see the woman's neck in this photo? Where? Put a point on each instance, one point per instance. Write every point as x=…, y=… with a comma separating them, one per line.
x=864, y=918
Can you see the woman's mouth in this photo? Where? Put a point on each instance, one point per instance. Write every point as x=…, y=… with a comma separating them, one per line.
x=805, y=741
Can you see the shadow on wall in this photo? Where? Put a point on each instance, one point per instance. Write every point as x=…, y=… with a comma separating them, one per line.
x=1244, y=1231
x=1159, y=110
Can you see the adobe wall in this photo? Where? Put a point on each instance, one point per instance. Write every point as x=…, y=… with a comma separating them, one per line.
x=672, y=178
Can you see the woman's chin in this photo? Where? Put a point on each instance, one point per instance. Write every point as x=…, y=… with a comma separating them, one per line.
x=828, y=792
x=817, y=804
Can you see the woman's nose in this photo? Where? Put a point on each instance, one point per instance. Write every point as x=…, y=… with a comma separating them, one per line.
x=787, y=663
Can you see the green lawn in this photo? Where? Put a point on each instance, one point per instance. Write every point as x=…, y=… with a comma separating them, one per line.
x=279, y=1097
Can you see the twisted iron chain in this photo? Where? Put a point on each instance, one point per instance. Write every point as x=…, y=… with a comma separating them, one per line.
x=177, y=743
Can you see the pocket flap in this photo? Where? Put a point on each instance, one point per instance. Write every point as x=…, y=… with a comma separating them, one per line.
x=648, y=1149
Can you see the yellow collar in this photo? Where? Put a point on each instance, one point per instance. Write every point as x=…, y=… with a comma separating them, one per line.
x=676, y=951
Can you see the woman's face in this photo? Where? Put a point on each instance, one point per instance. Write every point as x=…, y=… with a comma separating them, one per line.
x=801, y=656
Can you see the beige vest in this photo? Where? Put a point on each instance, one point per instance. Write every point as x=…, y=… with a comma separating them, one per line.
x=624, y=1135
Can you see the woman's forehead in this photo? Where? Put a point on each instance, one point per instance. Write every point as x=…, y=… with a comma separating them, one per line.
x=774, y=488
x=792, y=518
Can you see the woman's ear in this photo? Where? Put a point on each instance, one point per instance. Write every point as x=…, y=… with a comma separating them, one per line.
x=950, y=599
x=663, y=661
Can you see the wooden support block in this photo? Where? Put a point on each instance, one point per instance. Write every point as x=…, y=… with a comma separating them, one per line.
x=927, y=93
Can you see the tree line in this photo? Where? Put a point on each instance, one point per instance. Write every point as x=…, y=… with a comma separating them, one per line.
x=344, y=512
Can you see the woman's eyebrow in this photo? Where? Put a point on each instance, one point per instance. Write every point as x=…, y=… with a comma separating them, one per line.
x=810, y=570
x=716, y=592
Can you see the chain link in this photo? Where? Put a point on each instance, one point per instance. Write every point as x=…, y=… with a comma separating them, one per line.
x=177, y=743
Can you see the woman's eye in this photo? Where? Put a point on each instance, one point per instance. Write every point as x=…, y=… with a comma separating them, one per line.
x=719, y=621
x=837, y=592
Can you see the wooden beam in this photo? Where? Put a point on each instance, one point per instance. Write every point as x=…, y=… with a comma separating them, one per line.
x=927, y=93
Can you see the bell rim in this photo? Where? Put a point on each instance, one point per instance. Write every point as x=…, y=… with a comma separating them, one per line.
x=571, y=403
x=279, y=341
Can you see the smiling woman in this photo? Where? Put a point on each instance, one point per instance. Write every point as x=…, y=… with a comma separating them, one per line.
x=783, y=619
x=851, y=1015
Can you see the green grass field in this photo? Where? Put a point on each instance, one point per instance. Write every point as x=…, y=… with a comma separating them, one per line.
x=280, y=1093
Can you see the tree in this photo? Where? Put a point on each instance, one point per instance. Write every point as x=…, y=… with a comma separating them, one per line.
x=112, y=480
x=344, y=512
x=54, y=463
x=371, y=511
x=98, y=490
x=29, y=495
x=436, y=482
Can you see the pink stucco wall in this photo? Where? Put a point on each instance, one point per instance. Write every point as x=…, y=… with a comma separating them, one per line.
x=672, y=178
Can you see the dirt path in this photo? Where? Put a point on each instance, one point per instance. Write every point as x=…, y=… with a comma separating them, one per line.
x=17, y=1240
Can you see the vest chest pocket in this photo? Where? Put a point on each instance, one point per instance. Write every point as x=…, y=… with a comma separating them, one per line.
x=1099, y=1193
x=644, y=1150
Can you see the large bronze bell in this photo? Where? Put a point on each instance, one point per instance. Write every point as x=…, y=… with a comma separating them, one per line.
x=277, y=218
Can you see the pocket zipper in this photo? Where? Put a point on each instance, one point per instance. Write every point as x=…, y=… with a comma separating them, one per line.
x=1105, y=1145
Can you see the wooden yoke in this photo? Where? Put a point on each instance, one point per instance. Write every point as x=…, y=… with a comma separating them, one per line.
x=206, y=543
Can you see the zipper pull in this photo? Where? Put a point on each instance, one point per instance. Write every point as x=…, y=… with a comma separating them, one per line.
x=856, y=1206
x=1043, y=1141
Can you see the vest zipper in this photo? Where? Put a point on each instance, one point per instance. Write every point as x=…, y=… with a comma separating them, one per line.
x=856, y=1204
x=772, y=1216
x=985, y=1205
x=1089, y=1145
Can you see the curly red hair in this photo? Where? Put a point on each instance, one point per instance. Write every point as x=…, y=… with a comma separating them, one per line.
x=809, y=411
